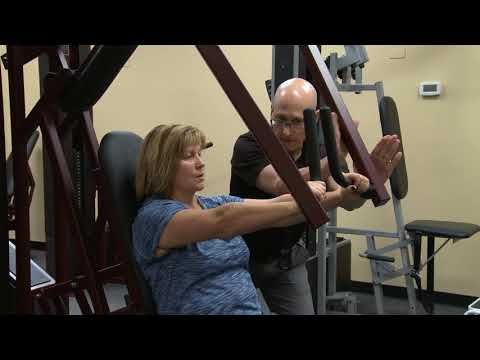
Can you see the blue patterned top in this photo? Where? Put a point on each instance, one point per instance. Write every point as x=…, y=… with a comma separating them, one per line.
x=207, y=277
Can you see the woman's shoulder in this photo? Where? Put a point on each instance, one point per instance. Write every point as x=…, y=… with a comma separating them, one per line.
x=157, y=204
x=217, y=200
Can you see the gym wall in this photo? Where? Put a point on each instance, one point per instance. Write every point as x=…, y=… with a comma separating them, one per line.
x=172, y=84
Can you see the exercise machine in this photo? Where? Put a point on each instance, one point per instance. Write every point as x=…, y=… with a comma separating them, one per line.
x=407, y=236
x=70, y=91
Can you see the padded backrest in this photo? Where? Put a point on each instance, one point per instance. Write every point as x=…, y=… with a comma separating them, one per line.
x=118, y=154
x=390, y=126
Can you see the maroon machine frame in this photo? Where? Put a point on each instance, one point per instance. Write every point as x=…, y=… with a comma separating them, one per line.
x=47, y=115
x=325, y=85
x=54, y=124
x=4, y=268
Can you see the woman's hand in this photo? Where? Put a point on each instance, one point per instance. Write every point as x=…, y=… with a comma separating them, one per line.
x=360, y=183
x=319, y=189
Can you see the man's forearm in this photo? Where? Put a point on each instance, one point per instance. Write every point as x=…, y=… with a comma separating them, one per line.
x=281, y=187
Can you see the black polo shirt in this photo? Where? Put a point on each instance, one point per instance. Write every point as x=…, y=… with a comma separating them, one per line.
x=248, y=160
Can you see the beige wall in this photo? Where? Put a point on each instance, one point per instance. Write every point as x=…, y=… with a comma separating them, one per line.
x=167, y=84
x=171, y=84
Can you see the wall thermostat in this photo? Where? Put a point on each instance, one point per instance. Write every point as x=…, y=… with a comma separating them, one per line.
x=430, y=88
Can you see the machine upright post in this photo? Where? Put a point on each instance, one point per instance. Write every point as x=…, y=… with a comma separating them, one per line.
x=5, y=305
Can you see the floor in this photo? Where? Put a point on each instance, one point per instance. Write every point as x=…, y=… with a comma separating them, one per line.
x=365, y=302
x=396, y=306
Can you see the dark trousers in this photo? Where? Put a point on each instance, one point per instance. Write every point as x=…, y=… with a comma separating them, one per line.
x=285, y=289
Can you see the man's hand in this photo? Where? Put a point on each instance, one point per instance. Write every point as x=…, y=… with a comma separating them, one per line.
x=341, y=148
x=386, y=155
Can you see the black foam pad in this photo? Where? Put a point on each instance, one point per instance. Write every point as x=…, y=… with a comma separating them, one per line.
x=311, y=144
x=445, y=229
x=94, y=76
x=268, y=86
x=118, y=154
x=391, y=126
x=9, y=170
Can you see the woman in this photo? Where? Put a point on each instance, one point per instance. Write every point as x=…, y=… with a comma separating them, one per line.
x=188, y=246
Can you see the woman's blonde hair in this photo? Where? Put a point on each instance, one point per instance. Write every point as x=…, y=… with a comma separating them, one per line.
x=162, y=148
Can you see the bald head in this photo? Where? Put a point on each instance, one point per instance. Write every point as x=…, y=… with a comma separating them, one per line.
x=291, y=99
x=297, y=92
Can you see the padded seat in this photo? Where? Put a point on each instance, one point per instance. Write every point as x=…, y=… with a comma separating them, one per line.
x=434, y=229
x=442, y=229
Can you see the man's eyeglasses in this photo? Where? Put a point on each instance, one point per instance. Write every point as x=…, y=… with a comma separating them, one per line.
x=291, y=124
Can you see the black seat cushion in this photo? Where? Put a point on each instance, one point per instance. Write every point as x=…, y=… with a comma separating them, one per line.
x=442, y=229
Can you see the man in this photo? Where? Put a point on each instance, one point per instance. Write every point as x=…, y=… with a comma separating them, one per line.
x=278, y=255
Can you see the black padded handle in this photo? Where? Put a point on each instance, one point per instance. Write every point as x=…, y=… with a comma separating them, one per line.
x=268, y=86
x=31, y=142
x=311, y=144
x=312, y=152
x=208, y=145
x=377, y=257
x=9, y=167
x=331, y=147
